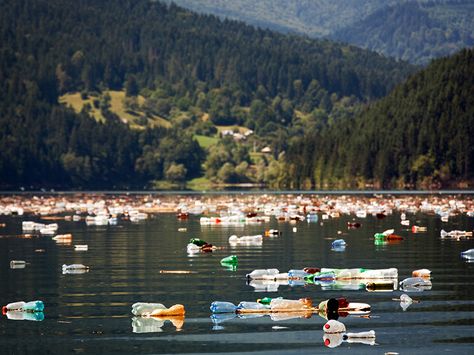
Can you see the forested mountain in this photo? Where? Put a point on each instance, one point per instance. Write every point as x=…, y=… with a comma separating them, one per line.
x=413, y=30
x=186, y=66
x=419, y=135
x=316, y=18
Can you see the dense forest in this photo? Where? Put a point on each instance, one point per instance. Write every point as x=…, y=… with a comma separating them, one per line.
x=194, y=71
x=413, y=30
x=419, y=135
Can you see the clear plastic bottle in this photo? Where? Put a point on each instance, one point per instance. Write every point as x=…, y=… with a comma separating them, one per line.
x=251, y=305
x=259, y=273
x=143, y=308
x=21, y=306
x=285, y=304
x=297, y=274
x=223, y=307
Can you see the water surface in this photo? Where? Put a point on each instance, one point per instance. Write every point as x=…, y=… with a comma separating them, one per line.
x=90, y=313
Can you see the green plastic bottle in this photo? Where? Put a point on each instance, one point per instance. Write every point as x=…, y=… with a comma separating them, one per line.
x=229, y=260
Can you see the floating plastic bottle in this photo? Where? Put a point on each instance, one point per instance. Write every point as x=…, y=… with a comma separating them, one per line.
x=297, y=274
x=321, y=276
x=251, y=305
x=338, y=244
x=229, y=260
x=223, y=307
x=285, y=304
x=262, y=273
x=246, y=239
x=381, y=286
x=143, y=308
x=32, y=306
x=75, y=269
x=405, y=301
x=425, y=273
x=17, y=264
x=157, y=309
x=415, y=284
x=193, y=248
x=468, y=254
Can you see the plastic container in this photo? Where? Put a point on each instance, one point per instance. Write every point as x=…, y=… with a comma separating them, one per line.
x=285, y=304
x=32, y=306
x=17, y=264
x=251, y=305
x=193, y=248
x=297, y=274
x=229, y=260
x=415, y=284
x=468, y=254
x=143, y=308
x=260, y=273
x=321, y=276
x=425, y=273
x=338, y=243
x=223, y=307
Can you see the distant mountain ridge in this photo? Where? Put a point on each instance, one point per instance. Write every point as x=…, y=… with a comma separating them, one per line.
x=413, y=30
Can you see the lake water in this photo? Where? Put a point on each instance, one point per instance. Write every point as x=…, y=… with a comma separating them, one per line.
x=91, y=313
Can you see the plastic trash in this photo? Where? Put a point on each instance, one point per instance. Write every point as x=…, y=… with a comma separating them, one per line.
x=405, y=301
x=75, y=269
x=266, y=300
x=223, y=307
x=285, y=304
x=468, y=254
x=229, y=260
x=17, y=264
x=338, y=244
x=63, y=238
x=193, y=248
x=321, y=276
x=381, y=286
x=247, y=239
x=81, y=247
x=140, y=308
x=415, y=284
x=297, y=274
x=157, y=309
x=425, y=273
x=262, y=274
x=418, y=229
x=21, y=306
x=251, y=305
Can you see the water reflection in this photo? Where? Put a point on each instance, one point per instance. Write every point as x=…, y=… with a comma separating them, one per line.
x=155, y=324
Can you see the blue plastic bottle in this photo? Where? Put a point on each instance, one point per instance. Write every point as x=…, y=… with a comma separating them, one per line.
x=222, y=307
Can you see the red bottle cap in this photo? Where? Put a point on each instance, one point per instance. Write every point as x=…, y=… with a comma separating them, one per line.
x=4, y=310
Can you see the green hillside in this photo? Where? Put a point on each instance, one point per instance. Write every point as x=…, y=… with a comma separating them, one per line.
x=418, y=136
x=173, y=74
